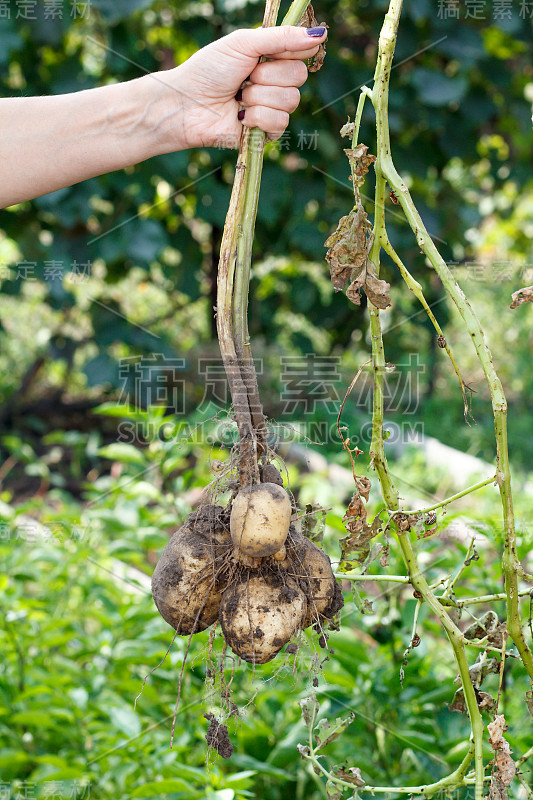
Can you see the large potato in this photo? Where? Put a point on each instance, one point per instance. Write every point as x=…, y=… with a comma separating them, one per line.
x=183, y=582
x=260, y=614
x=260, y=519
x=312, y=566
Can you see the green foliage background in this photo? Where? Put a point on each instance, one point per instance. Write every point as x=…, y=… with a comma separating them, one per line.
x=77, y=636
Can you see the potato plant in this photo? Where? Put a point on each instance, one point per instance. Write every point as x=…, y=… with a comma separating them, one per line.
x=247, y=565
x=354, y=259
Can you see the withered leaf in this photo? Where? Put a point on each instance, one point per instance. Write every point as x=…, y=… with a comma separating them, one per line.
x=348, y=260
x=363, y=486
x=505, y=766
x=521, y=296
x=308, y=20
x=496, y=636
x=349, y=245
x=331, y=732
x=487, y=626
x=309, y=706
x=375, y=289
x=485, y=701
x=348, y=128
x=480, y=628
x=404, y=522
x=384, y=557
x=313, y=523
x=350, y=775
x=333, y=791
x=497, y=790
x=481, y=668
x=373, y=553
x=360, y=533
x=304, y=750
x=425, y=533
x=360, y=159
x=458, y=703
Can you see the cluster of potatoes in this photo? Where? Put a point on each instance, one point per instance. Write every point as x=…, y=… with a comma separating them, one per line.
x=249, y=568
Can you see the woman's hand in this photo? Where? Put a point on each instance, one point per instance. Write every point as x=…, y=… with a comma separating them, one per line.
x=205, y=105
x=47, y=143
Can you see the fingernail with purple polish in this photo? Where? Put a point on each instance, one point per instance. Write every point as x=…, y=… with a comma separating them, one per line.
x=318, y=32
x=241, y=113
x=238, y=96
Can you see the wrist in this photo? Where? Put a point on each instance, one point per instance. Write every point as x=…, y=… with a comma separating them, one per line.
x=162, y=106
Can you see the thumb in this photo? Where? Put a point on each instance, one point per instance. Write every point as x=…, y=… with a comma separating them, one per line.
x=258, y=42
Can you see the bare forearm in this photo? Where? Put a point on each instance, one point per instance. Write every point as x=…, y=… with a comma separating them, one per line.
x=47, y=143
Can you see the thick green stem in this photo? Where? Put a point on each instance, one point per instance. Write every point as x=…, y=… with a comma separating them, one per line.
x=387, y=169
x=225, y=288
x=390, y=495
x=387, y=41
x=510, y=560
x=233, y=289
x=252, y=152
x=295, y=12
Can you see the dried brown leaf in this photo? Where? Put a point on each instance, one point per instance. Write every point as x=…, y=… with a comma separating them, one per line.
x=350, y=775
x=488, y=626
x=505, y=767
x=347, y=256
x=363, y=486
x=482, y=627
x=522, y=296
x=348, y=128
x=360, y=159
x=349, y=245
x=496, y=637
x=485, y=701
x=458, y=703
x=360, y=533
x=375, y=289
x=308, y=20
x=481, y=668
x=405, y=522
x=497, y=790
x=384, y=557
